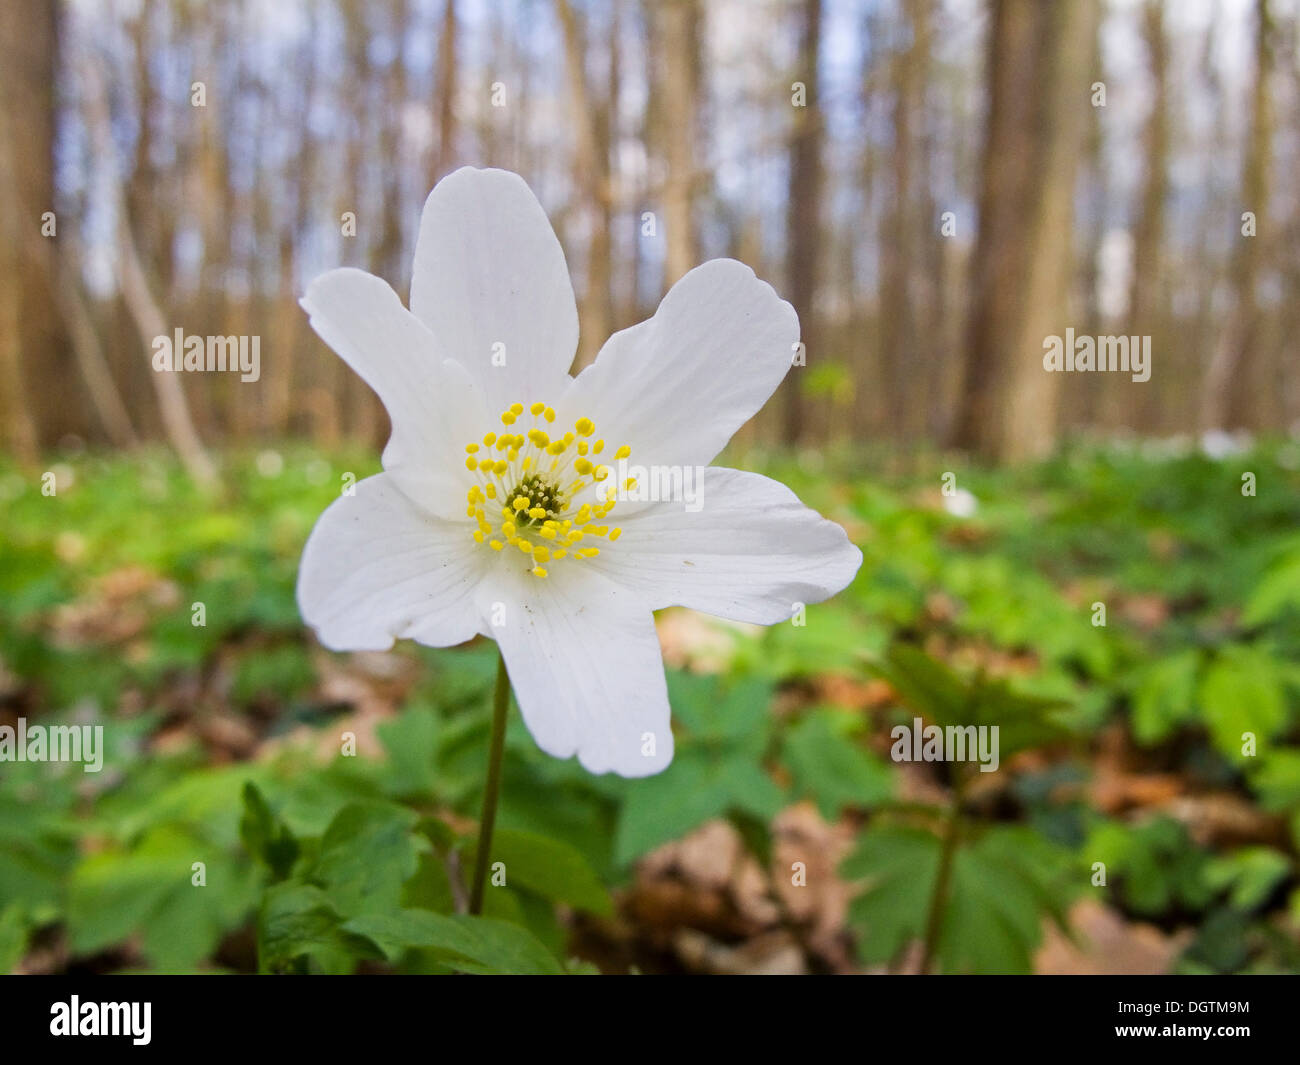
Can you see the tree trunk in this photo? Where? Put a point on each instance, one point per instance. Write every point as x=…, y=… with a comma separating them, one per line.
x=678, y=31
x=803, y=211
x=1226, y=390
x=1038, y=67
x=37, y=373
x=592, y=176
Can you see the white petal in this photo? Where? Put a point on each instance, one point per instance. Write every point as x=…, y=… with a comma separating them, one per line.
x=377, y=568
x=489, y=271
x=676, y=387
x=585, y=665
x=750, y=553
x=433, y=404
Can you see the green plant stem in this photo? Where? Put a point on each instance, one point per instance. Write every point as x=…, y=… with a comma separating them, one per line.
x=492, y=789
x=939, y=897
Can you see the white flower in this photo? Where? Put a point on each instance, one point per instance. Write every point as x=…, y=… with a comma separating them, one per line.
x=493, y=514
x=961, y=504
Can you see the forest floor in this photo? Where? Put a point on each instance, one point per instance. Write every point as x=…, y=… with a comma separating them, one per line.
x=1129, y=616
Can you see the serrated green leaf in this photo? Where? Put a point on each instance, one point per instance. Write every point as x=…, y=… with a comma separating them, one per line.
x=368, y=852
x=299, y=930
x=547, y=867
x=472, y=944
x=827, y=765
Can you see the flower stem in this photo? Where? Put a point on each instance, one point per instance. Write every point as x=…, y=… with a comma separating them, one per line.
x=939, y=897
x=487, y=820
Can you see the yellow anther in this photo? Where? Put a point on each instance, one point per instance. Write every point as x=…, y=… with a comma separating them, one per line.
x=532, y=478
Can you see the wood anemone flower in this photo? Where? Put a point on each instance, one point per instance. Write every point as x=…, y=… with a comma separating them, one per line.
x=512, y=501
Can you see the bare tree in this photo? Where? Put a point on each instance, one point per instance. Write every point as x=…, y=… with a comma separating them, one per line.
x=1038, y=57
x=1226, y=389
x=803, y=207
x=592, y=176
x=37, y=380
x=678, y=34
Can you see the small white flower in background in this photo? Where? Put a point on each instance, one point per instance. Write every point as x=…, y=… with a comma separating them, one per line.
x=494, y=513
x=961, y=504
x=1219, y=444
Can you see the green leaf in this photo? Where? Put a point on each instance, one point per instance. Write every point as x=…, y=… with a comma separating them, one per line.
x=827, y=765
x=1241, y=692
x=1252, y=873
x=150, y=889
x=1003, y=885
x=478, y=945
x=1276, y=593
x=696, y=789
x=899, y=865
x=924, y=684
x=411, y=741
x=944, y=698
x=547, y=867
x=368, y=852
x=267, y=838
x=299, y=930
x=717, y=768
x=1165, y=696
x=13, y=937
x=1152, y=865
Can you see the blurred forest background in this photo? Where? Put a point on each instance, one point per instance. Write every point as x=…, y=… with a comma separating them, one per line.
x=846, y=149
x=1108, y=570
